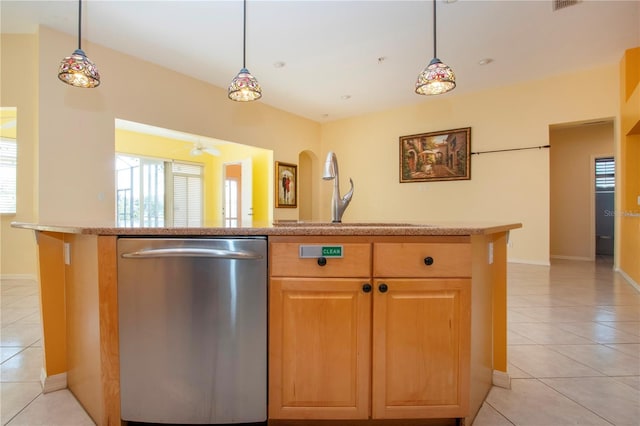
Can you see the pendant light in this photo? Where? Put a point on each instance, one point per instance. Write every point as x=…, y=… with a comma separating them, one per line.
x=78, y=70
x=437, y=77
x=244, y=87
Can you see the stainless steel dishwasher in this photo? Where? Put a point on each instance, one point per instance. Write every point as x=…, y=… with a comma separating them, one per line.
x=193, y=330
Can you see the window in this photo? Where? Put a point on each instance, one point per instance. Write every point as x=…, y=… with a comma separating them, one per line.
x=605, y=174
x=8, y=163
x=187, y=194
x=154, y=193
x=139, y=191
x=231, y=202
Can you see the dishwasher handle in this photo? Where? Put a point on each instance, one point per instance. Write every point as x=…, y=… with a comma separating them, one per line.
x=193, y=252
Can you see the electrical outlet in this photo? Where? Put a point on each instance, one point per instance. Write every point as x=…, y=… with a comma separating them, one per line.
x=67, y=253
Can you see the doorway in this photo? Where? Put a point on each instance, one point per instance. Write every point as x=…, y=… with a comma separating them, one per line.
x=238, y=193
x=574, y=149
x=605, y=185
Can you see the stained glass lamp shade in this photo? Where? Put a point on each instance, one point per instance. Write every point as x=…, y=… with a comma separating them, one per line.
x=79, y=71
x=435, y=79
x=244, y=87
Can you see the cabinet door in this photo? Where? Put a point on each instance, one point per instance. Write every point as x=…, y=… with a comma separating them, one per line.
x=421, y=348
x=319, y=349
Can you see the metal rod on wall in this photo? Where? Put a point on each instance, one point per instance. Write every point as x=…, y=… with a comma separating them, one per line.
x=511, y=149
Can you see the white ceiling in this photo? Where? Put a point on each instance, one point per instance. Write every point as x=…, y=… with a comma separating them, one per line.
x=331, y=49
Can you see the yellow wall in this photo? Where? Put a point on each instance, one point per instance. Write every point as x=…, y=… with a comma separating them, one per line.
x=18, y=80
x=166, y=149
x=262, y=179
x=628, y=207
x=573, y=152
x=514, y=186
x=509, y=186
x=79, y=124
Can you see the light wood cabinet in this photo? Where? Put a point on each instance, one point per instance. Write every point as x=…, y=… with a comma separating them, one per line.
x=421, y=329
x=319, y=348
x=387, y=340
x=420, y=348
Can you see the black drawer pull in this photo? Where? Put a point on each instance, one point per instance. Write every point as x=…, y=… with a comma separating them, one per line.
x=322, y=261
x=366, y=287
x=428, y=260
x=383, y=288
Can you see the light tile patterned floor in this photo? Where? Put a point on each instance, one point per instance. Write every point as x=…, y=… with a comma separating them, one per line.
x=21, y=399
x=574, y=352
x=574, y=348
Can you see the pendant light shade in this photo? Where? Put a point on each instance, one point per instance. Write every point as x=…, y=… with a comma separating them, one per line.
x=437, y=77
x=244, y=87
x=78, y=70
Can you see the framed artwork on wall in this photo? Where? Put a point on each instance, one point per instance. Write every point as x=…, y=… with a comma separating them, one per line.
x=436, y=156
x=286, y=185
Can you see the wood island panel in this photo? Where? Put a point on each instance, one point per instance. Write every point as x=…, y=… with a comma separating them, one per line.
x=109, y=340
x=90, y=357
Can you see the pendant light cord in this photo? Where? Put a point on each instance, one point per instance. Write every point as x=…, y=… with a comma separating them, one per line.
x=79, y=24
x=244, y=35
x=435, y=55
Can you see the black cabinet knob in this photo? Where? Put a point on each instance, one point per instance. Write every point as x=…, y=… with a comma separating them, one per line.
x=366, y=287
x=322, y=261
x=428, y=260
x=383, y=288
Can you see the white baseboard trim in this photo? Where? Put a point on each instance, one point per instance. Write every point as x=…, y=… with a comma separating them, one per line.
x=501, y=379
x=582, y=258
x=529, y=262
x=18, y=277
x=52, y=383
x=628, y=279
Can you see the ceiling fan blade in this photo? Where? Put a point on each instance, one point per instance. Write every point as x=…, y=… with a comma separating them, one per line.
x=8, y=124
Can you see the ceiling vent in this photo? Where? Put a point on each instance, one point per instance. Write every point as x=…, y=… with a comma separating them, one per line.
x=561, y=4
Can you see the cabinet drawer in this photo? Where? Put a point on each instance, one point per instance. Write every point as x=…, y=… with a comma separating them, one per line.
x=422, y=260
x=285, y=261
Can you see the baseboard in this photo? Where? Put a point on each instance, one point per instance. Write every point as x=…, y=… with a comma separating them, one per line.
x=501, y=379
x=628, y=279
x=52, y=383
x=29, y=277
x=529, y=262
x=582, y=258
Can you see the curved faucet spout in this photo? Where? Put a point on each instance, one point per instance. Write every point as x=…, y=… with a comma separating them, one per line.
x=338, y=204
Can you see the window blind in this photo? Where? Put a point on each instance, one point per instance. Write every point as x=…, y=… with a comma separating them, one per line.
x=605, y=174
x=8, y=167
x=187, y=195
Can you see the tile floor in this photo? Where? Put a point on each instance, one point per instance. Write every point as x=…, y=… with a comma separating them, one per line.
x=574, y=348
x=574, y=352
x=22, y=402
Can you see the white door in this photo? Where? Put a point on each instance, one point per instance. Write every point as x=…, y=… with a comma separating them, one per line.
x=237, y=193
x=247, y=192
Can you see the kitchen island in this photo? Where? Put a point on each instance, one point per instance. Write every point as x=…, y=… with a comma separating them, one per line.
x=450, y=275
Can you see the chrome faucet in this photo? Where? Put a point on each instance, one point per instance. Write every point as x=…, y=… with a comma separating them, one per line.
x=338, y=204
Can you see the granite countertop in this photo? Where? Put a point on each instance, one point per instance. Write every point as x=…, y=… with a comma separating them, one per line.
x=284, y=228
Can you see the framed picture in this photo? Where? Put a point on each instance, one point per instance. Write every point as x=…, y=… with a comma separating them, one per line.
x=435, y=156
x=286, y=185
